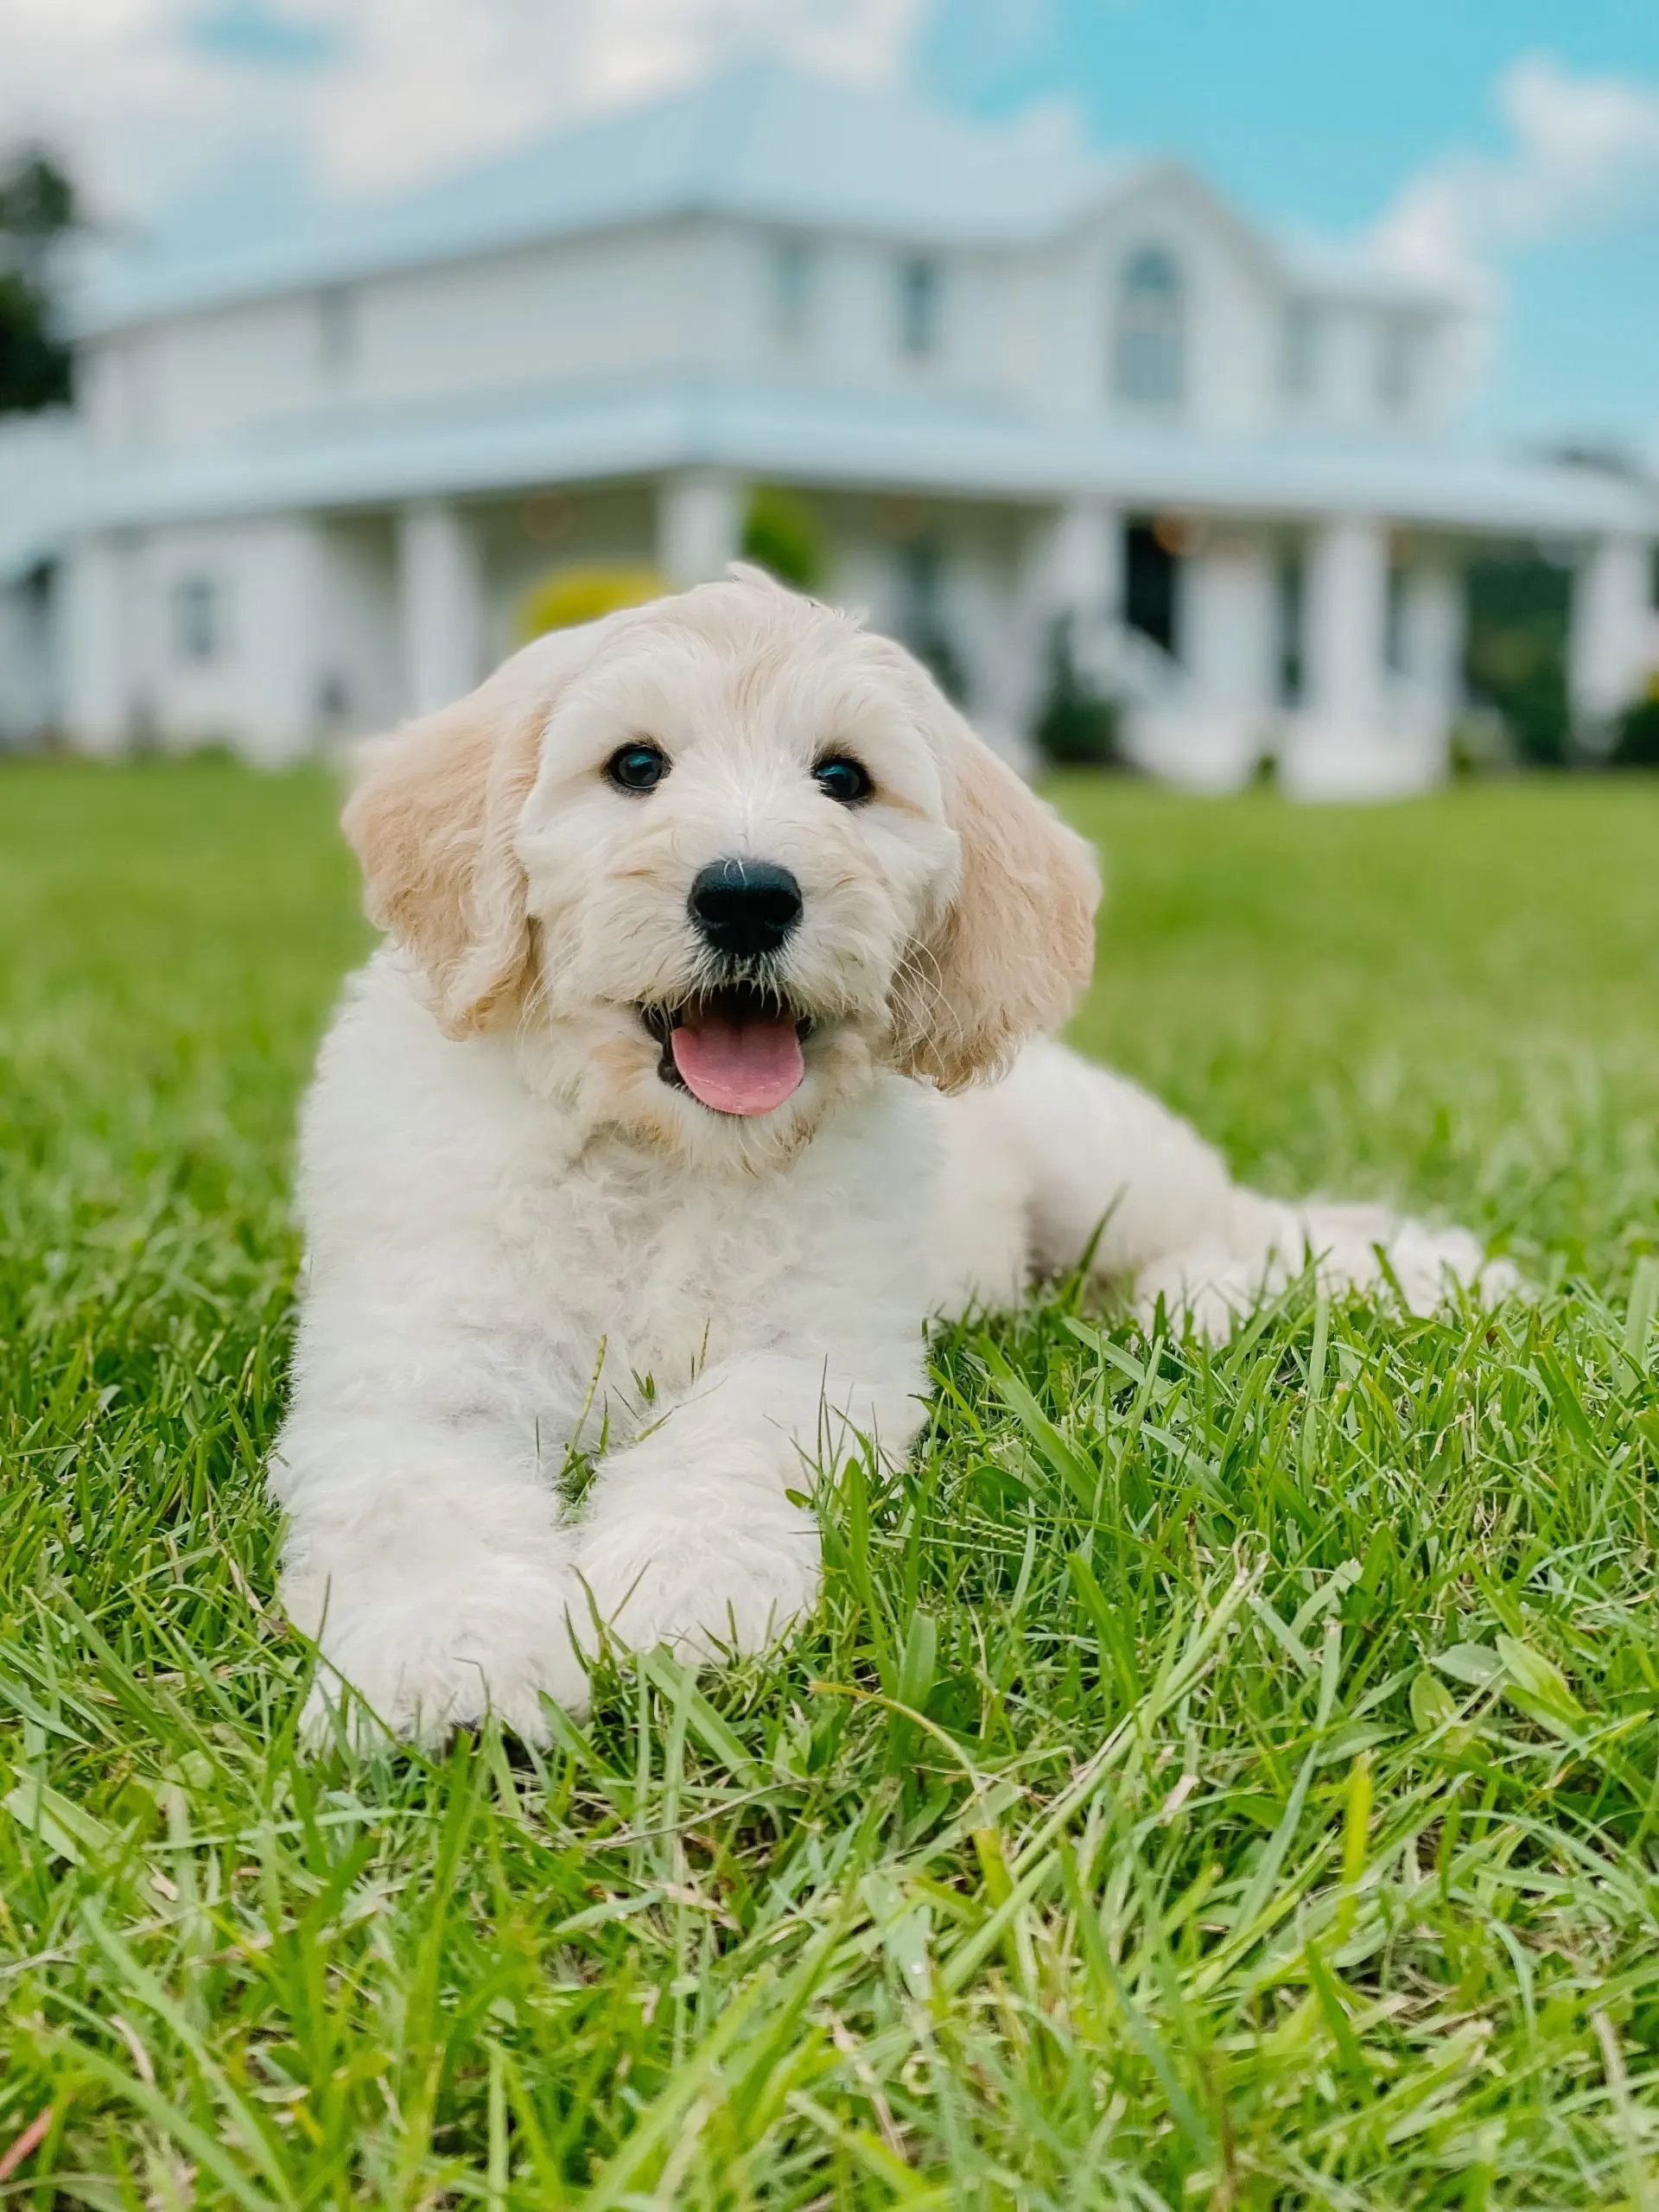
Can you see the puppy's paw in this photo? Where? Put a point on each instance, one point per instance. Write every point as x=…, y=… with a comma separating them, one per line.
x=1355, y=1248
x=415, y=1663
x=706, y=1588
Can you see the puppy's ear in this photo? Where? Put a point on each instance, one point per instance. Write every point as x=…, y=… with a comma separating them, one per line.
x=434, y=823
x=1016, y=943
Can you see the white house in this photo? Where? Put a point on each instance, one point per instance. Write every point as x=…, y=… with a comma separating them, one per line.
x=307, y=486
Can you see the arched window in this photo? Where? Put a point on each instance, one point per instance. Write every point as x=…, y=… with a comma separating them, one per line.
x=1150, y=362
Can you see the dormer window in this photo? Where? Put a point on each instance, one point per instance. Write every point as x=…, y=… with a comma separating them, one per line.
x=793, y=274
x=1149, y=366
x=920, y=294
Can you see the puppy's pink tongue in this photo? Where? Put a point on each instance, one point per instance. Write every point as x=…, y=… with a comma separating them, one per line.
x=739, y=1067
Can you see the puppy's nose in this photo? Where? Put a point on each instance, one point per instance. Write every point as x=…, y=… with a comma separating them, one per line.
x=745, y=908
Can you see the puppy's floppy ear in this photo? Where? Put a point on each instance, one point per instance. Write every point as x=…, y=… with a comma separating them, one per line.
x=1017, y=941
x=433, y=824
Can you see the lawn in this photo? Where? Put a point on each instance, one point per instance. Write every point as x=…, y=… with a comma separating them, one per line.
x=1214, y=1779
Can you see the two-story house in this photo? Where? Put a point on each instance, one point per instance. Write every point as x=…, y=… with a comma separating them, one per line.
x=1017, y=382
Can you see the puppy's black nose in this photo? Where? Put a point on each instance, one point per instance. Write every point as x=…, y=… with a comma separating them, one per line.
x=745, y=908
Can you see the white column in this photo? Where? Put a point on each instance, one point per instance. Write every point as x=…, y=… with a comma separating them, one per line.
x=699, y=525
x=1346, y=625
x=441, y=594
x=1231, y=626
x=95, y=682
x=1071, y=571
x=1347, y=742
x=1081, y=569
x=25, y=686
x=1432, y=626
x=1612, y=598
x=1213, y=733
x=1003, y=656
x=278, y=628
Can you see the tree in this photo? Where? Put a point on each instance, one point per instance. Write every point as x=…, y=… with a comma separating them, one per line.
x=38, y=210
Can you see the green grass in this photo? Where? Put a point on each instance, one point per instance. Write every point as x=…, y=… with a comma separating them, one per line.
x=1214, y=1779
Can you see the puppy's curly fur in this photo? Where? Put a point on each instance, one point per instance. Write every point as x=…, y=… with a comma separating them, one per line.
x=524, y=1235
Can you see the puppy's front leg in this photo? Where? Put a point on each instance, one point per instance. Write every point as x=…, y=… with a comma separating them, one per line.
x=426, y=1551
x=693, y=1536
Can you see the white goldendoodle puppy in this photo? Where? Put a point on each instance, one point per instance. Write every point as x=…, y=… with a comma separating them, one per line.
x=649, y=1132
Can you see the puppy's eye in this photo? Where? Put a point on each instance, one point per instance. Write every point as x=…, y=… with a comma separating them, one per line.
x=638, y=767
x=846, y=780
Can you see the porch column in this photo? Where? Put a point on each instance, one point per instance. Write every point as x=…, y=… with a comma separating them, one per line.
x=1345, y=743
x=1607, y=652
x=1346, y=618
x=1082, y=566
x=95, y=680
x=440, y=593
x=1432, y=626
x=699, y=525
x=1232, y=630
x=282, y=577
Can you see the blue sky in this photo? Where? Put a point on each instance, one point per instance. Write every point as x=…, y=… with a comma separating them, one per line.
x=1515, y=141
x=1320, y=114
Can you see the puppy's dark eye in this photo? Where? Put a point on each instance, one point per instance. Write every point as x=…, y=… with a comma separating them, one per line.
x=846, y=780
x=638, y=767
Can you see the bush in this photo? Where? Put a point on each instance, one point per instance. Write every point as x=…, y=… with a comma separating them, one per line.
x=1078, y=727
x=783, y=534
x=1515, y=661
x=581, y=592
x=1481, y=743
x=1636, y=742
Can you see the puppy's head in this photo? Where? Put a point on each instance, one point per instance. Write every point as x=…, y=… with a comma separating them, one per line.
x=717, y=858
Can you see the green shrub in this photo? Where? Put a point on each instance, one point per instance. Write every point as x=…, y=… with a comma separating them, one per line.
x=581, y=592
x=783, y=534
x=1078, y=727
x=1515, y=661
x=1636, y=745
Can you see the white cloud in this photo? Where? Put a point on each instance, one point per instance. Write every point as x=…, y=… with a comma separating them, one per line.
x=1583, y=157
x=402, y=89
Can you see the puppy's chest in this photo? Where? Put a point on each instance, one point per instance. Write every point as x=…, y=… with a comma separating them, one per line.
x=663, y=1277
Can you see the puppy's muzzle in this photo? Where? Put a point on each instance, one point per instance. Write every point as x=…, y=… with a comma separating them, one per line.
x=745, y=909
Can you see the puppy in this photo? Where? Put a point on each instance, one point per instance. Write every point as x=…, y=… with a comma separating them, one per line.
x=648, y=1134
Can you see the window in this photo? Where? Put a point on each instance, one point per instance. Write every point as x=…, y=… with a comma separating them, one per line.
x=198, y=619
x=333, y=698
x=336, y=330
x=1291, y=592
x=1396, y=642
x=925, y=627
x=1396, y=366
x=1150, y=367
x=920, y=287
x=1301, y=354
x=793, y=287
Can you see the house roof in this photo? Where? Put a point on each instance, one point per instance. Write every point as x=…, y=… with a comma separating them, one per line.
x=500, y=444
x=759, y=142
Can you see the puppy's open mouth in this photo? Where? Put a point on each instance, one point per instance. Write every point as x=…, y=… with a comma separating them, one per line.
x=737, y=1049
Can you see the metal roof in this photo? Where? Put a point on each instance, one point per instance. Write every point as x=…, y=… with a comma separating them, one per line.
x=759, y=142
